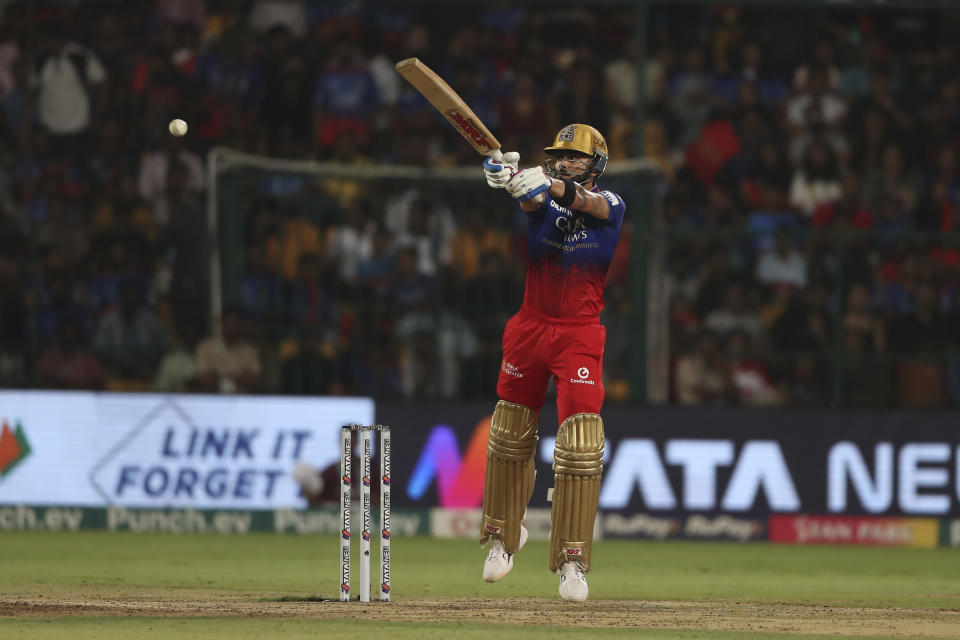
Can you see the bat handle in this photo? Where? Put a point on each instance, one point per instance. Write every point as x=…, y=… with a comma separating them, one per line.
x=496, y=154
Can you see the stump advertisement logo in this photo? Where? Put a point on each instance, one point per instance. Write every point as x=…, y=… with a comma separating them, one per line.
x=14, y=447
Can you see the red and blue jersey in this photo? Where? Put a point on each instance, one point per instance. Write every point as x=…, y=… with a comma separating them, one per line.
x=570, y=253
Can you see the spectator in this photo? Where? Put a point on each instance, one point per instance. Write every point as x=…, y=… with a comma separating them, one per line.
x=352, y=241
x=771, y=87
x=717, y=273
x=345, y=97
x=817, y=180
x=153, y=182
x=925, y=330
x=684, y=323
x=700, y=377
x=866, y=377
x=267, y=15
x=804, y=322
x=782, y=266
x=750, y=382
x=806, y=385
x=754, y=125
x=228, y=363
x=818, y=131
x=880, y=100
x=816, y=95
x=69, y=363
x=823, y=58
x=690, y=100
x=620, y=87
x=860, y=319
x=177, y=372
x=581, y=98
x=13, y=322
x=526, y=118
x=57, y=299
x=846, y=210
x=409, y=288
x=184, y=250
x=288, y=235
x=488, y=300
x=130, y=339
x=313, y=370
x=937, y=211
x=436, y=345
x=313, y=299
x=734, y=316
x=65, y=74
x=771, y=168
x=429, y=230
x=890, y=187
x=375, y=271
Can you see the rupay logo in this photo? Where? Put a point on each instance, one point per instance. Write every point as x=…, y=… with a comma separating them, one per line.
x=13, y=447
x=459, y=480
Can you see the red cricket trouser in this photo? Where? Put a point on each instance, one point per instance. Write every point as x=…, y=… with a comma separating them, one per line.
x=536, y=347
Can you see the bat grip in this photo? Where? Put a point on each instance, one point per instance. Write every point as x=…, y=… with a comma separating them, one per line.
x=496, y=154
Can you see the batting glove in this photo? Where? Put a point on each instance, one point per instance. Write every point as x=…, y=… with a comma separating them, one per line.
x=528, y=183
x=498, y=173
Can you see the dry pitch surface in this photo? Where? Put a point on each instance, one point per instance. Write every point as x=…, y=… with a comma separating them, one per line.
x=770, y=618
x=691, y=590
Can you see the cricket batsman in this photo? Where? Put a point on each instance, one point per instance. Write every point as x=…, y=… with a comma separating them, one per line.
x=573, y=230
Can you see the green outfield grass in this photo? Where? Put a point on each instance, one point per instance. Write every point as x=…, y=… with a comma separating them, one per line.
x=80, y=585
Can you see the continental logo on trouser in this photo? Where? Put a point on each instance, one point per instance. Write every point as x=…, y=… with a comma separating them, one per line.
x=582, y=374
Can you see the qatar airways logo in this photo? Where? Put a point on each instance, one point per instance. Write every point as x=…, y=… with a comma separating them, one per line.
x=573, y=227
x=582, y=376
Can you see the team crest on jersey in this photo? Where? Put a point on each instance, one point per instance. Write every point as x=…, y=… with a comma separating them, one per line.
x=567, y=133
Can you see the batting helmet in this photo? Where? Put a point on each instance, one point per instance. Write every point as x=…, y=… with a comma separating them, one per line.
x=584, y=139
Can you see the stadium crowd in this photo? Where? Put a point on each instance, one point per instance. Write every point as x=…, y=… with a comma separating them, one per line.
x=809, y=196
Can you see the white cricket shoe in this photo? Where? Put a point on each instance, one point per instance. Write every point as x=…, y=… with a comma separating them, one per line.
x=573, y=584
x=499, y=561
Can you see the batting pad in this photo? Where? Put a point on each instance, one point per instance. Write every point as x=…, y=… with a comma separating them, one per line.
x=510, y=473
x=578, y=467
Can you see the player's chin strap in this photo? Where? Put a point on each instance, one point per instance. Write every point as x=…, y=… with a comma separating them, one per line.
x=549, y=167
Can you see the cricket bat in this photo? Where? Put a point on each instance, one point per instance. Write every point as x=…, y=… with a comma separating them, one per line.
x=454, y=109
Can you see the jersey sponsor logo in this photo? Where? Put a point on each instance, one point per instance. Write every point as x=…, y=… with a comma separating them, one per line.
x=511, y=369
x=583, y=374
x=573, y=227
x=611, y=197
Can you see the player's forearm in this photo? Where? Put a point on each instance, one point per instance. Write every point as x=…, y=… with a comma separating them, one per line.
x=584, y=201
